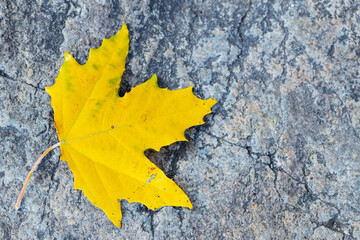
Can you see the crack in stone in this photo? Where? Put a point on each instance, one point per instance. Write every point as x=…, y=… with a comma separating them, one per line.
x=275, y=169
x=334, y=225
x=7, y=76
x=242, y=21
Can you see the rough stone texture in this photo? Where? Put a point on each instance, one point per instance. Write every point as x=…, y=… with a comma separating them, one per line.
x=278, y=158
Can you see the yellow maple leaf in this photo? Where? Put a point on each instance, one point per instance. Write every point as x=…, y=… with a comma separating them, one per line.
x=103, y=136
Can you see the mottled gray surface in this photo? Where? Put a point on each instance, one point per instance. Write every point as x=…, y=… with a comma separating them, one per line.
x=278, y=158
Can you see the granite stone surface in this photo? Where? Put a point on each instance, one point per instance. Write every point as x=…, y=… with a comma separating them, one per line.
x=278, y=158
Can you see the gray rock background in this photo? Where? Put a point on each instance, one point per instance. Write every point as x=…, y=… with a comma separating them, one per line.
x=278, y=158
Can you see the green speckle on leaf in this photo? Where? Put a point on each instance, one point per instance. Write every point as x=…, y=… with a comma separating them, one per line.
x=113, y=81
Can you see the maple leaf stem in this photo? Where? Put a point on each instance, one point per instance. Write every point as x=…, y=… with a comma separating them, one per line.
x=31, y=172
